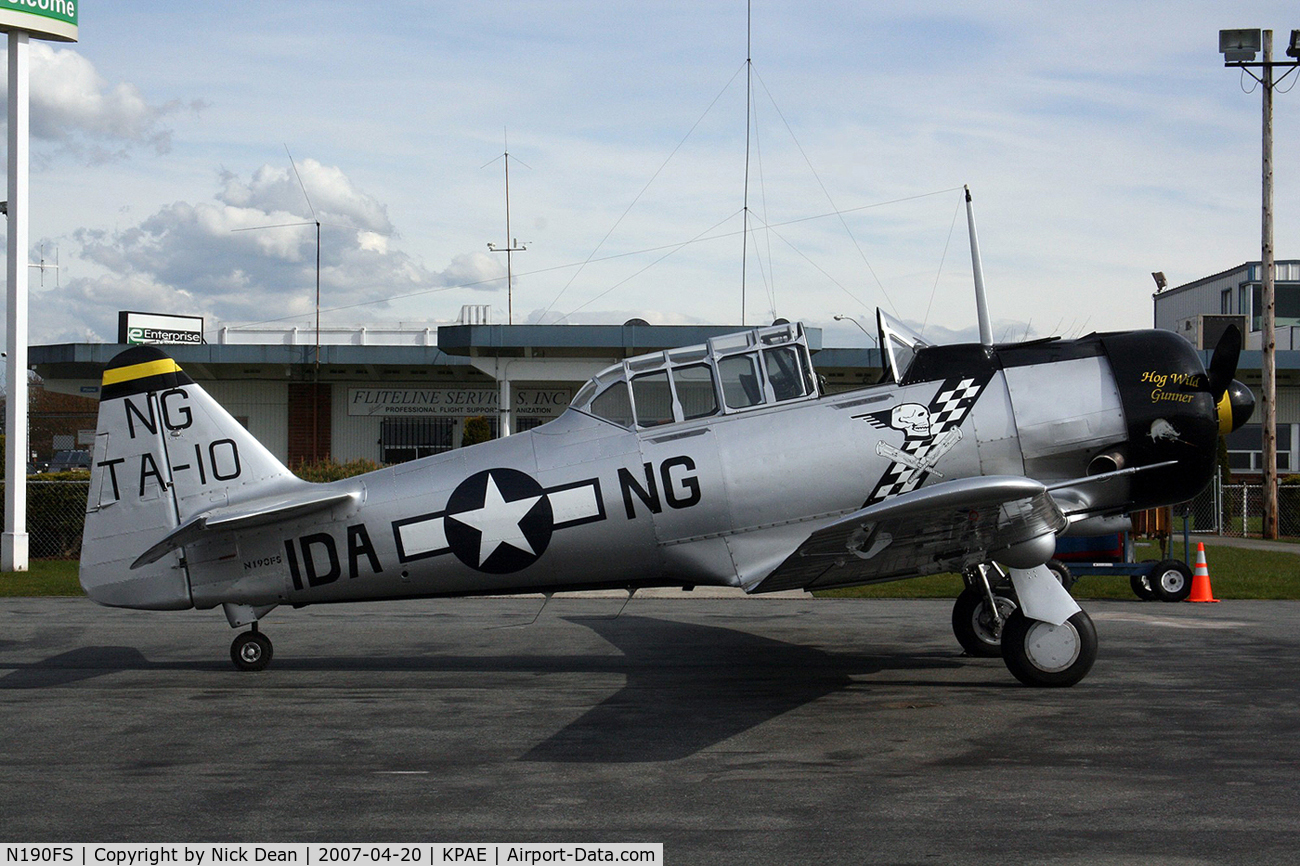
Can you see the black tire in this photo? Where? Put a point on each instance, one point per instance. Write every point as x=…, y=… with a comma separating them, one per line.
x=1171, y=580
x=1142, y=587
x=973, y=624
x=1062, y=573
x=1041, y=654
x=251, y=651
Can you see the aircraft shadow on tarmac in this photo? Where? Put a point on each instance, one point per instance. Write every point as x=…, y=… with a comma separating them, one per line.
x=687, y=686
x=83, y=663
x=701, y=686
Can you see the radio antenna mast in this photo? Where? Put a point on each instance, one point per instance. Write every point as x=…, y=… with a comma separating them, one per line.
x=749, y=84
x=981, y=300
x=315, y=220
x=512, y=244
x=43, y=266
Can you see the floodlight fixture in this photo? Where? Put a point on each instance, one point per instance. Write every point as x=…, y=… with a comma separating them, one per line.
x=1239, y=45
x=1293, y=50
x=1161, y=282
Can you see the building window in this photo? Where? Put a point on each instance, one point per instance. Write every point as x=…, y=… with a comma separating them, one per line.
x=1225, y=301
x=1286, y=305
x=1246, y=448
x=403, y=439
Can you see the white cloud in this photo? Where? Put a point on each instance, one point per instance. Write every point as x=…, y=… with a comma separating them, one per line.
x=250, y=256
x=476, y=270
x=75, y=108
x=332, y=197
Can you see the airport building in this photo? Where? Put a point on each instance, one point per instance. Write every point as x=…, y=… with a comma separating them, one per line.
x=395, y=393
x=1200, y=310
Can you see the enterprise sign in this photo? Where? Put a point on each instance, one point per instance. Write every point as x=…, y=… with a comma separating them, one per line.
x=135, y=329
x=45, y=19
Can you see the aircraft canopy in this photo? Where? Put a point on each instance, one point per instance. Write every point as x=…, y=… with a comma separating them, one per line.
x=729, y=374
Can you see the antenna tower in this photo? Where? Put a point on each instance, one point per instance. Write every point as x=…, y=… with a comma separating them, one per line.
x=315, y=220
x=512, y=244
x=749, y=84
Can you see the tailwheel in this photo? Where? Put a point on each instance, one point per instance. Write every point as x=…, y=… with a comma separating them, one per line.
x=1041, y=654
x=978, y=631
x=251, y=651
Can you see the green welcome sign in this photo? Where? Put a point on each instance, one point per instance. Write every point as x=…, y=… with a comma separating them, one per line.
x=44, y=19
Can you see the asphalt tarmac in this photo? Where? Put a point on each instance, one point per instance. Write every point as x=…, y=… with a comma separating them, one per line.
x=756, y=731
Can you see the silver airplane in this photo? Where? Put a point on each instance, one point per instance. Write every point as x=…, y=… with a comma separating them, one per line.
x=721, y=464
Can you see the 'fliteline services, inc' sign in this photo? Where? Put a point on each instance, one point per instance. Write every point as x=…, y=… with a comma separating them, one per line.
x=44, y=19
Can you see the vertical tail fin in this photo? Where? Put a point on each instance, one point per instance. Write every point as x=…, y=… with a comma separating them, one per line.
x=164, y=451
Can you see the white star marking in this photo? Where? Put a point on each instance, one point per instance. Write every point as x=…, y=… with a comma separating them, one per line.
x=498, y=522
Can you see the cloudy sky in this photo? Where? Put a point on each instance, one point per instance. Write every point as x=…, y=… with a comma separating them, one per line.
x=1101, y=141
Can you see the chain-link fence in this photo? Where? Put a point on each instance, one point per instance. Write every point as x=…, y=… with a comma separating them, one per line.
x=1238, y=510
x=56, y=512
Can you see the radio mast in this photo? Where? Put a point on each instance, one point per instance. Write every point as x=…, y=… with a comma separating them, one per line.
x=512, y=244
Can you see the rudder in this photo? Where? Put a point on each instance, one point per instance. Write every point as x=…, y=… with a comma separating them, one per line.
x=164, y=451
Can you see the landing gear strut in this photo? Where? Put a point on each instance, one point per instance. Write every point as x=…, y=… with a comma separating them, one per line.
x=251, y=650
x=981, y=611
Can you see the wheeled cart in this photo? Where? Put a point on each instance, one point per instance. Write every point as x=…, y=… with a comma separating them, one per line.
x=1163, y=580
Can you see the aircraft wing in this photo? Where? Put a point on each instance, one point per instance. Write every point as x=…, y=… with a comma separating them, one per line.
x=942, y=527
x=257, y=512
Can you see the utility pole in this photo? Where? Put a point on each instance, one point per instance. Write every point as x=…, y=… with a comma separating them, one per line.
x=1239, y=48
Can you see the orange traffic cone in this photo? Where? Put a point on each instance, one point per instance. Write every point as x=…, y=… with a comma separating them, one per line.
x=1201, y=577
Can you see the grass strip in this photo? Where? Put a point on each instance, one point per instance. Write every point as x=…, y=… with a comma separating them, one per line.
x=44, y=577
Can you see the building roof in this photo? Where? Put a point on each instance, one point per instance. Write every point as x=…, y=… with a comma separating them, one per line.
x=1244, y=266
x=627, y=339
x=457, y=344
x=86, y=360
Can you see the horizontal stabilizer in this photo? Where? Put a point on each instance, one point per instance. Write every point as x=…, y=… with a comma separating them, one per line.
x=245, y=515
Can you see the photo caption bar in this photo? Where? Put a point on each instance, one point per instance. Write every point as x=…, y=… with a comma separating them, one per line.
x=324, y=854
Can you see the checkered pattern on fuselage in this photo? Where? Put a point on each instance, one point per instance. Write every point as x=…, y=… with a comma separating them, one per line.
x=948, y=409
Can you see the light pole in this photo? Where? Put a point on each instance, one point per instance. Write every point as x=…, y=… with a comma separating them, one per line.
x=1239, y=48
x=840, y=317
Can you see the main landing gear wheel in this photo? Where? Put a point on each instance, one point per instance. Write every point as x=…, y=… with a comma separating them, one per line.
x=1041, y=654
x=1171, y=580
x=974, y=625
x=251, y=651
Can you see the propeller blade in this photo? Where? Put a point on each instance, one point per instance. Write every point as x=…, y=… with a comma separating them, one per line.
x=1223, y=363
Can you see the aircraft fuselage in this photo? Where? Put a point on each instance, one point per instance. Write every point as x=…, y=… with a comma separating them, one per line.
x=583, y=502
